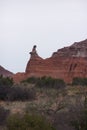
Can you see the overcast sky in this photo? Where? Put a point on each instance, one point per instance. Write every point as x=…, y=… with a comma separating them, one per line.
x=49, y=24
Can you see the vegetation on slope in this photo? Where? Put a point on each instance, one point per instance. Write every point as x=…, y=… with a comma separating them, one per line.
x=28, y=122
x=63, y=106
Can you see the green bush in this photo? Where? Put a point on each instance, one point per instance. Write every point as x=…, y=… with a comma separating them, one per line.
x=19, y=93
x=7, y=81
x=28, y=122
x=16, y=93
x=48, y=82
x=5, y=86
x=79, y=81
x=32, y=80
x=5, y=91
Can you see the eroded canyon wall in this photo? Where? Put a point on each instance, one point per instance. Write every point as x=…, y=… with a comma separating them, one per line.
x=66, y=63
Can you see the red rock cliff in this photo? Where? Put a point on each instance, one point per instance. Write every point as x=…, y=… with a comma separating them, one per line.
x=66, y=63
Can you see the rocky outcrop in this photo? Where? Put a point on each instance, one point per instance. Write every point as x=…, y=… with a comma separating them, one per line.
x=78, y=49
x=5, y=72
x=18, y=77
x=66, y=63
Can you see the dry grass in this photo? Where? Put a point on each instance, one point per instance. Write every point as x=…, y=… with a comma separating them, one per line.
x=49, y=102
x=48, y=99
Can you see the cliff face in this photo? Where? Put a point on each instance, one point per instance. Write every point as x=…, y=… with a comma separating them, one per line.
x=5, y=72
x=66, y=63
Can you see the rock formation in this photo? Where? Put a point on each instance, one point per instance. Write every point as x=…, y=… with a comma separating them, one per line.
x=78, y=49
x=66, y=63
x=5, y=72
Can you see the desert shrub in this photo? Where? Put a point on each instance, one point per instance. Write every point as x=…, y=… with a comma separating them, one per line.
x=46, y=82
x=5, y=86
x=4, y=91
x=3, y=115
x=79, y=81
x=28, y=122
x=16, y=93
x=21, y=94
x=80, y=122
x=49, y=82
x=32, y=80
x=7, y=81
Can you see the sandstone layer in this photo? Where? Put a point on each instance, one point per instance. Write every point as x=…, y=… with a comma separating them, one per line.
x=66, y=63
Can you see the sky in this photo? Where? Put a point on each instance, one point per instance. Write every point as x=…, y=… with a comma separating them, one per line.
x=49, y=24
